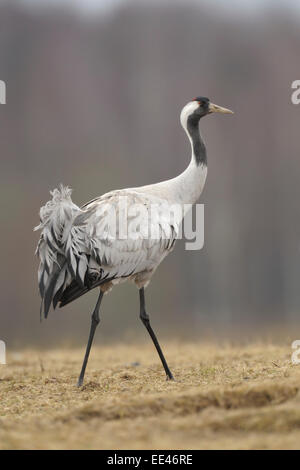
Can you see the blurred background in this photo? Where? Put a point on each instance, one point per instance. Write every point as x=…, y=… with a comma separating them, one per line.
x=94, y=93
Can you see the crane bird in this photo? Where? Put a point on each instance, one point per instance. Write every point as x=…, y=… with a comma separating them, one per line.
x=79, y=250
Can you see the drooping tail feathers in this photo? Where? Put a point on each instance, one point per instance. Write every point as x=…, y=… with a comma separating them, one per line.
x=60, y=248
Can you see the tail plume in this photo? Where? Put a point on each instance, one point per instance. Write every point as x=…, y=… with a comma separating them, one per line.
x=57, y=248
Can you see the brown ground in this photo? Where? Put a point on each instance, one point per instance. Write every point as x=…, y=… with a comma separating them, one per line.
x=225, y=397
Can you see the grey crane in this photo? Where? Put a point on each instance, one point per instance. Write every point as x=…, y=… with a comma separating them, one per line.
x=81, y=248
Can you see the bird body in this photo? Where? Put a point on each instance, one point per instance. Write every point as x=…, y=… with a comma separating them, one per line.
x=123, y=234
x=91, y=249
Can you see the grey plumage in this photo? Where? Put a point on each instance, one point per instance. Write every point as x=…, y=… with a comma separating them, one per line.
x=78, y=252
x=83, y=248
x=56, y=219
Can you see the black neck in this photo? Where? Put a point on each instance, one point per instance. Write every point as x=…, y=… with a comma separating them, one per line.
x=198, y=144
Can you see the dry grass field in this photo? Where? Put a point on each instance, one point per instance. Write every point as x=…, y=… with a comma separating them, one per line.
x=225, y=397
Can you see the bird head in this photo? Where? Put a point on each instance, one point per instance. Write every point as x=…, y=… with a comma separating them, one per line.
x=199, y=107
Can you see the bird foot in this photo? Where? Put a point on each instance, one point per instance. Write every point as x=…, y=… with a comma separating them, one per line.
x=79, y=383
x=170, y=377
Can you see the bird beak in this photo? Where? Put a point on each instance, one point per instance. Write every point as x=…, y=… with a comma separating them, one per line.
x=214, y=108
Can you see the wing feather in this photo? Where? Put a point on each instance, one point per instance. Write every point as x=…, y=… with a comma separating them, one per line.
x=80, y=249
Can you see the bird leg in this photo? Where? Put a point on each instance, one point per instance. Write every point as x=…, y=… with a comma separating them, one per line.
x=146, y=320
x=94, y=324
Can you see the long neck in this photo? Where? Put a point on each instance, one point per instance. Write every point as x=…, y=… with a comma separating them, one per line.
x=187, y=187
x=189, y=184
x=198, y=146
